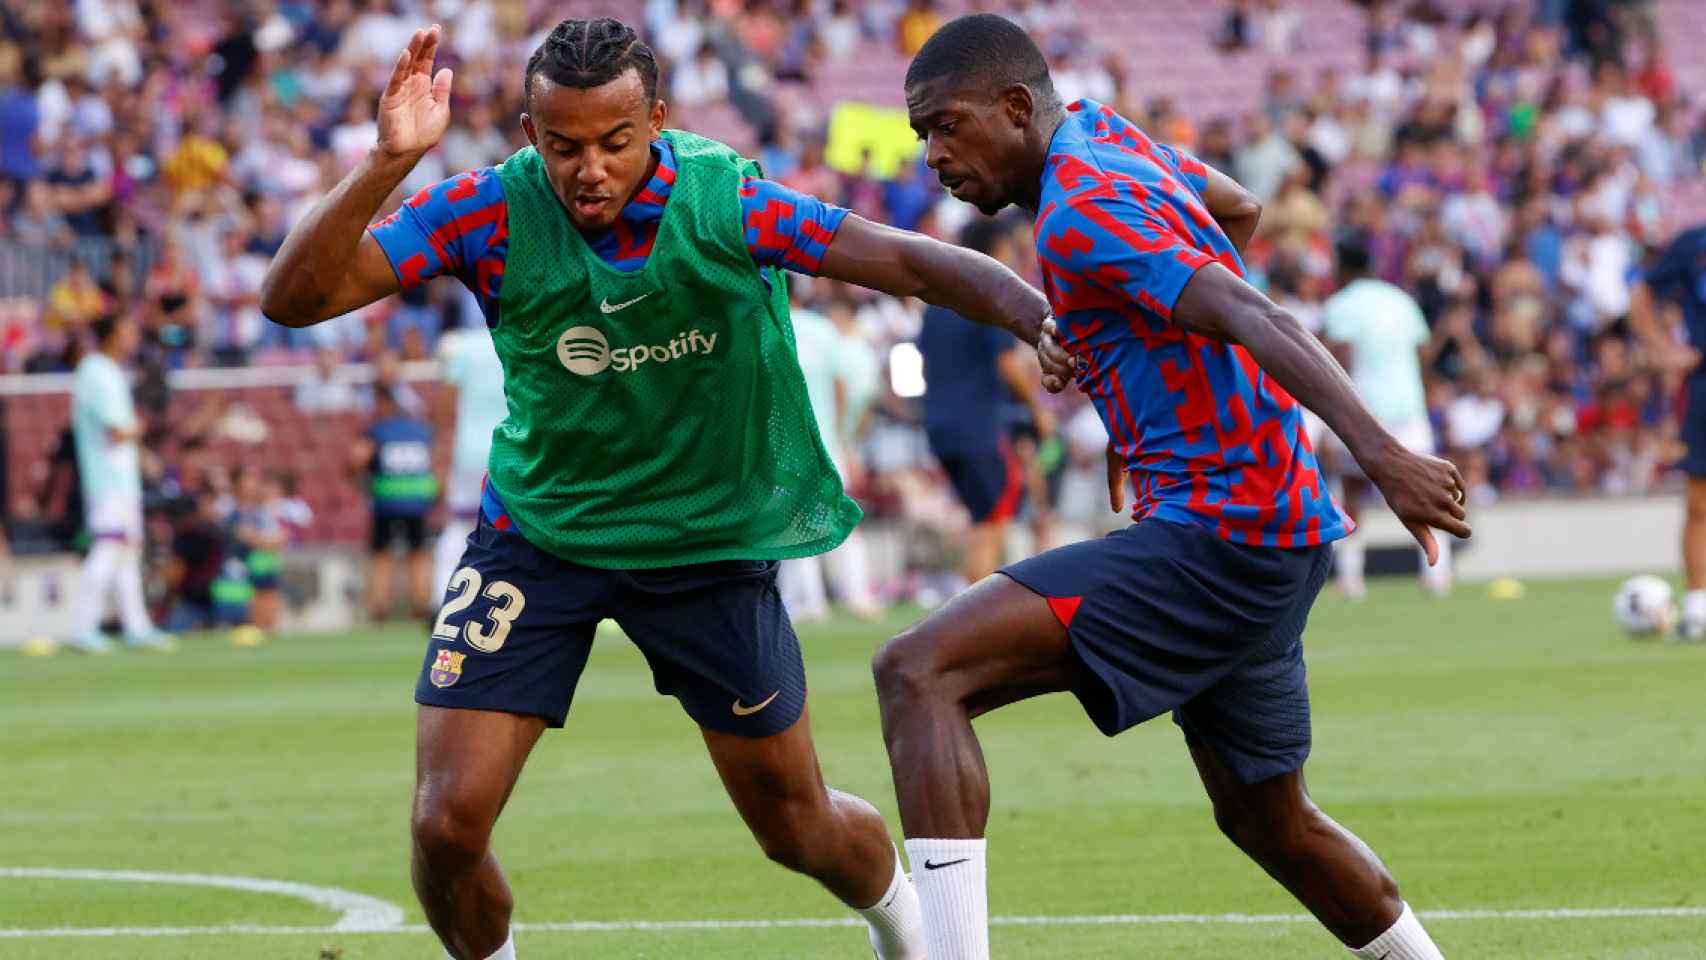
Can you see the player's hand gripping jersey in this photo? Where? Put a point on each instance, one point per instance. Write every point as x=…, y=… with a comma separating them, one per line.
x=1208, y=437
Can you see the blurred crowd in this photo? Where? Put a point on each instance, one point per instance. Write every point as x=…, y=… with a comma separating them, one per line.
x=1505, y=168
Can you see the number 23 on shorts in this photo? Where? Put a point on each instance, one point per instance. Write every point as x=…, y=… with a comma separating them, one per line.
x=507, y=604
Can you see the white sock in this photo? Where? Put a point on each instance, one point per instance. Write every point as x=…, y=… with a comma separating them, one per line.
x=897, y=923
x=505, y=952
x=100, y=568
x=1404, y=940
x=1351, y=553
x=132, y=608
x=951, y=880
x=1694, y=607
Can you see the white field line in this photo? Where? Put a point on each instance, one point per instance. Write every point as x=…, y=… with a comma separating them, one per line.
x=361, y=914
x=356, y=911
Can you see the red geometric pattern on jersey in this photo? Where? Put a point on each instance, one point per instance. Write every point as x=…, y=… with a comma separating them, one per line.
x=460, y=227
x=1065, y=608
x=1207, y=436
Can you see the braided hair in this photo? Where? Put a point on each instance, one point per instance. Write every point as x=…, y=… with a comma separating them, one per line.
x=590, y=53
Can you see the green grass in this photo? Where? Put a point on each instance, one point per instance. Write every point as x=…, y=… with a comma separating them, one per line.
x=1499, y=755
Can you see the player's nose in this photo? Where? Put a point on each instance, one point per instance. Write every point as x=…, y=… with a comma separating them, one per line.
x=935, y=154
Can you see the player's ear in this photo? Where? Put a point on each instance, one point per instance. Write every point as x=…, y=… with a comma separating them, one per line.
x=527, y=128
x=660, y=111
x=1019, y=105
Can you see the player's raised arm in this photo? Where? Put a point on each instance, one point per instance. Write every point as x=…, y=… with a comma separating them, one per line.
x=970, y=284
x=1425, y=492
x=1236, y=209
x=329, y=264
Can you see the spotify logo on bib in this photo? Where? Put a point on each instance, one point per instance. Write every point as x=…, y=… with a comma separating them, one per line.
x=586, y=351
x=583, y=350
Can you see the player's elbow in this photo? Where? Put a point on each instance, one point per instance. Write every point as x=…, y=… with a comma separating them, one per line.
x=283, y=302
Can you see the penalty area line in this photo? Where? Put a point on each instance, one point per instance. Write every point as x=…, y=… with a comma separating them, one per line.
x=627, y=926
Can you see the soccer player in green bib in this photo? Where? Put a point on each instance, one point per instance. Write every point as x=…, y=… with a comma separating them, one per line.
x=659, y=458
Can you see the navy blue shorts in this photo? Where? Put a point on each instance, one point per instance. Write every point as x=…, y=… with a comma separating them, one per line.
x=988, y=484
x=517, y=626
x=1694, y=432
x=1166, y=617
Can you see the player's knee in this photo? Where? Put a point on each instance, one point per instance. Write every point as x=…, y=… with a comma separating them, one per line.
x=903, y=670
x=794, y=836
x=446, y=832
x=1274, y=837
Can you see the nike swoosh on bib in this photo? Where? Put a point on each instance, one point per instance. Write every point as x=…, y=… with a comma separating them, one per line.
x=744, y=711
x=608, y=307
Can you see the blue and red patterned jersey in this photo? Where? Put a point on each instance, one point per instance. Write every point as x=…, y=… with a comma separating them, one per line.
x=460, y=227
x=1209, y=438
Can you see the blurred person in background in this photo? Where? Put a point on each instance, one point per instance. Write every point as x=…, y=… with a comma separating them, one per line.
x=260, y=540
x=326, y=389
x=970, y=371
x=820, y=348
x=393, y=460
x=1377, y=331
x=472, y=404
x=1679, y=275
x=104, y=421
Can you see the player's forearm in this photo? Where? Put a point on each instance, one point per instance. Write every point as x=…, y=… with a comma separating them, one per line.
x=314, y=264
x=1240, y=227
x=976, y=287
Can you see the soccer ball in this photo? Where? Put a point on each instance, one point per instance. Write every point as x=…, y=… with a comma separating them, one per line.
x=1643, y=606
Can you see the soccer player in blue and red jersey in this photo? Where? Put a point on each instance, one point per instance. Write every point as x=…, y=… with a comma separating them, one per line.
x=1198, y=608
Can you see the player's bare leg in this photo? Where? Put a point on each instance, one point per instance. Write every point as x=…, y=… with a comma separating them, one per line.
x=466, y=764
x=833, y=837
x=379, y=586
x=993, y=644
x=1326, y=867
x=1694, y=561
x=421, y=600
x=985, y=544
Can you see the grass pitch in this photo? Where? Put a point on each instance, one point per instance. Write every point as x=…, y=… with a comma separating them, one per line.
x=1501, y=755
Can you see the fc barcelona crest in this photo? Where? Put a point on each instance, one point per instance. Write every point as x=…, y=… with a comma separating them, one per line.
x=447, y=669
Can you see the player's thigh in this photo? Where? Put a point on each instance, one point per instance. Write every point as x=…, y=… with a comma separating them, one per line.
x=718, y=638
x=466, y=765
x=1247, y=812
x=1256, y=720
x=1158, y=612
x=514, y=631
x=768, y=777
x=994, y=643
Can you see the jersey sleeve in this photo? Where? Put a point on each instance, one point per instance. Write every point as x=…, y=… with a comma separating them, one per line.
x=454, y=227
x=1669, y=273
x=1110, y=243
x=1188, y=167
x=786, y=228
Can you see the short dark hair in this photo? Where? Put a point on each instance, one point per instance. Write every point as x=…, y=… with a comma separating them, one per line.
x=988, y=50
x=590, y=53
x=1353, y=252
x=103, y=327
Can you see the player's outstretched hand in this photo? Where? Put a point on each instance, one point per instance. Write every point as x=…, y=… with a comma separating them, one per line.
x=1426, y=493
x=414, y=111
x=1059, y=368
